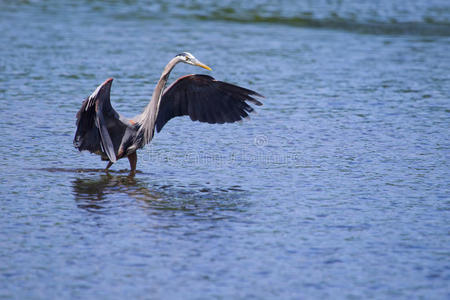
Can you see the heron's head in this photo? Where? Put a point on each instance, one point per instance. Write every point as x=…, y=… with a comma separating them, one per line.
x=188, y=58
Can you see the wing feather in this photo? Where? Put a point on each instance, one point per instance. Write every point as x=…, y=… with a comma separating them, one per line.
x=98, y=126
x=105, y=140
x=205, y=99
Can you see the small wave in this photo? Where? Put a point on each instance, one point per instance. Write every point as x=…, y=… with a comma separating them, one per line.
x=425, y=18
x=427, y=28
x=383, y=17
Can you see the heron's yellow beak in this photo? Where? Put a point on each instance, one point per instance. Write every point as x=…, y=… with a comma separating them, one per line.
x=203, y=66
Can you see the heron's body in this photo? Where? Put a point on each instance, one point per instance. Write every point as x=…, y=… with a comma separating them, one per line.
x=101, y=130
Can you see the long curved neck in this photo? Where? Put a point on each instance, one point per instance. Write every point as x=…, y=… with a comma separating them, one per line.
x=147, y=119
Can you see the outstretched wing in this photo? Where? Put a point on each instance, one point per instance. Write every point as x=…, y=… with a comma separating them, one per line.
x=98, y=126
x=205, y=99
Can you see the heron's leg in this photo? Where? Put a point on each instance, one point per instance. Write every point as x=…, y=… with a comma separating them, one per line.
x=109, y=165
x=133, y=161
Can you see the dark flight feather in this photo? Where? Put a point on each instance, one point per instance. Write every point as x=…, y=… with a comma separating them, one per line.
x=205, y=99
x=99, y=129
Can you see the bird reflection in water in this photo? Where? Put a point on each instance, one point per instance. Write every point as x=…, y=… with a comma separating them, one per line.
x=100, y=195
x=91, y=194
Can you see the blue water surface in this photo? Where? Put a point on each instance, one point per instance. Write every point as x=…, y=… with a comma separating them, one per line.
x=337, y=188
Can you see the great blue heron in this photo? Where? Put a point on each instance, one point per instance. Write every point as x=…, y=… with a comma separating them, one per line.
x=101, y=130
